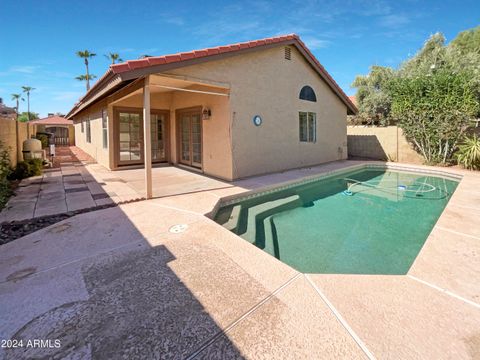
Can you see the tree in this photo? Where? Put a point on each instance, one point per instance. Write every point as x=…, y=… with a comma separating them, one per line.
x=27, y=90
x=113, y=57
x=467, y=41
x=17, y=98
x=26, y=116
x=86, y=55
x=434, y=110
x=433, y=96
x=85, y=78
x=372, y=97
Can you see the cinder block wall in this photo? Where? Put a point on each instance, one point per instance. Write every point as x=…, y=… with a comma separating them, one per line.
x=10, y=140
x=381, y=143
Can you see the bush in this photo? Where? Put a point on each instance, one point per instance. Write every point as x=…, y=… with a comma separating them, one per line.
x=27, y=168
x=5, y=171
x=43, y=138
x=468, y=154
x=5, y=168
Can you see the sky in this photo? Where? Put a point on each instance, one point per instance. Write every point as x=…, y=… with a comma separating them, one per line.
x=39, y=39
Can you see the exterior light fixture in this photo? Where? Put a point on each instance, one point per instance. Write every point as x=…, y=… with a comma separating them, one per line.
x=206, y=114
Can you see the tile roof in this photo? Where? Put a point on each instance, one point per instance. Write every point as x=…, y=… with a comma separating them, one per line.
x=52, y=120
x=196, y=54
x=214, y=52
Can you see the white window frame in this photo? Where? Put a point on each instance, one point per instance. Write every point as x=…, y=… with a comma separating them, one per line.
x=311, y=135
x=88, y=132
x=105, y=128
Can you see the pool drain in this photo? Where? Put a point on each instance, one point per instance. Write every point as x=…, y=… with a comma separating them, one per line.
x=179, y=228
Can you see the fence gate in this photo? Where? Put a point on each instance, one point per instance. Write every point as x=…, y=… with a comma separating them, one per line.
x=61, y=135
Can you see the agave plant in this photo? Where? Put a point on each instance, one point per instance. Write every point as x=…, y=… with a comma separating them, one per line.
x=468, y=154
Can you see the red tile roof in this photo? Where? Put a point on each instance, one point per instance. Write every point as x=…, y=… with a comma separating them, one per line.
x=52, y=120
x=131, y=65
x=196, y=54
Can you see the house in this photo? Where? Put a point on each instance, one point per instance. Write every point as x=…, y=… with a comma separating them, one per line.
x=62, y=128
x=230, y=112
x=7, y=112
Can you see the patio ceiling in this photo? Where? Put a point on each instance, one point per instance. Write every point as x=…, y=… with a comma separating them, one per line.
x=164, y=83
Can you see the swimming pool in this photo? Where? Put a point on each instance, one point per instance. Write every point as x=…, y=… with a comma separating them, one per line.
x=367, y=221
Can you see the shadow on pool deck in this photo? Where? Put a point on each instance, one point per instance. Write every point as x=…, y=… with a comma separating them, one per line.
x=136, y=308
x=134, y=305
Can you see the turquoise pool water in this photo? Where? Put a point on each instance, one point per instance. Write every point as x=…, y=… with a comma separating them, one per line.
x=361, y=222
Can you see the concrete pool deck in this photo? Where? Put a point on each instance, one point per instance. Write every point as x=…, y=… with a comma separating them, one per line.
x=118, y=282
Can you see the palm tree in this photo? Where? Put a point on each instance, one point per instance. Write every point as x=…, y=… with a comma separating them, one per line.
x=85, y=78
x=86, y=55
x=27, y=90
x=113, y=57
x=17, y=98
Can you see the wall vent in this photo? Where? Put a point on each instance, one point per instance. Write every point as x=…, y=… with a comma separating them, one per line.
x=288, y=53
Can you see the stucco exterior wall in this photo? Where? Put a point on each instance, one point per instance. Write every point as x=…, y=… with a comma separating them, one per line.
x=265, y=83
x=216, y=151
x=381, y=143
x=95, y=147
x=13, y=141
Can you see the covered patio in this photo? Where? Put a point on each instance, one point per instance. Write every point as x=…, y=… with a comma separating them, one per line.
x=164, y=119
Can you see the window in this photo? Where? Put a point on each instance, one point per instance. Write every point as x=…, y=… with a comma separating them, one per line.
x=307, y=94
x=89, y=134
x=307, y=126
x=104, y=128
x=81, y=126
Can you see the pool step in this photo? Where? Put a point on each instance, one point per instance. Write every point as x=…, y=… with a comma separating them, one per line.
x=233, y=220
x=255, y=232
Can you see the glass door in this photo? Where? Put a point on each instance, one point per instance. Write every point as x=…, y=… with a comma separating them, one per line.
x=196, y=139
x=185, y=139
x=130, y=138
x=190, y=138
x=158, y=128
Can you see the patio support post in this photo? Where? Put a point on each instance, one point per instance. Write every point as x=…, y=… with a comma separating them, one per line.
x=147, y=136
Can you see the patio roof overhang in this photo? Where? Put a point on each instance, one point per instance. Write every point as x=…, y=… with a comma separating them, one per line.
x=120, y=75
x=162, y=83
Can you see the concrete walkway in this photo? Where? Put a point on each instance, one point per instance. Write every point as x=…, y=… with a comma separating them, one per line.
x=75, y=184
x=124, y=283
x=67, y=188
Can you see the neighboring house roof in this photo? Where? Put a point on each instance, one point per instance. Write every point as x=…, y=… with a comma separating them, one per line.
x=353, y=99
x=119, y=74
x=52, y=120
x=5, y=110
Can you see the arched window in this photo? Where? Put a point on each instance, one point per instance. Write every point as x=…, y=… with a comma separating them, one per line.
x=308, y=94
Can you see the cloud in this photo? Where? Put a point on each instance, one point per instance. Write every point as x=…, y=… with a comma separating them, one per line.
x=315, y=43
x=174, y=20
x=25, y=69
x=67, y=95
x=394, y=21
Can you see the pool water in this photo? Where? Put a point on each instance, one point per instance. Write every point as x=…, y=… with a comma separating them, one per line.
x=361, y=222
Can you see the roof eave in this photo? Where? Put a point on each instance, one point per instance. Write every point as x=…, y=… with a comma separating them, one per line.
x=117, y=74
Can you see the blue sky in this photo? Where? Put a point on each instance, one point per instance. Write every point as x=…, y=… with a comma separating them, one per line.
x=39, y=38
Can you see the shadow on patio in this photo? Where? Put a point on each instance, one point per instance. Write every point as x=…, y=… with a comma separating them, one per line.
x=105, y=289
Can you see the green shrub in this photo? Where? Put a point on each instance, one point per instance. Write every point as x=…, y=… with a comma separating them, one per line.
x=43, y=138
x=27, y=168
x=468, y=154
x=35, y=167
x=5, y=171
